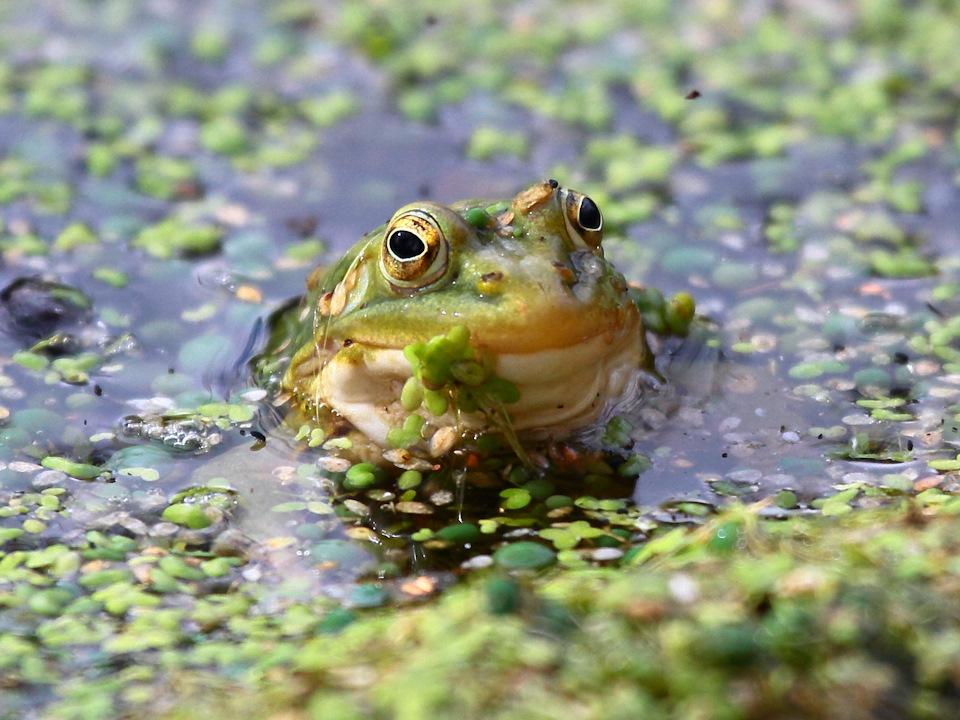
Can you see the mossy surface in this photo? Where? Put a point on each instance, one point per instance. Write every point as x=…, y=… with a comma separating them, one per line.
x=171, y=172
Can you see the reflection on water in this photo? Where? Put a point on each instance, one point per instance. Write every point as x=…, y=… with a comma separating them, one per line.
x=800, y=384
x=140, y=466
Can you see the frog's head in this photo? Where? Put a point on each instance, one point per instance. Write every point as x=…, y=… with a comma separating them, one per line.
x=527, y=278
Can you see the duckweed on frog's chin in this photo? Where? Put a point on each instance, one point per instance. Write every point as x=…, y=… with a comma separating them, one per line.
x=448, y=322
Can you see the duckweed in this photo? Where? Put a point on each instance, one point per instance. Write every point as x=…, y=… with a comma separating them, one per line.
x=524, y=555
x=172, y=237
x=187, y=514
x=447, y=372
x=823, y=252
x=662, y=317
x=79, y=470
x=478, y=217
x=360, y=476
x=515, y=498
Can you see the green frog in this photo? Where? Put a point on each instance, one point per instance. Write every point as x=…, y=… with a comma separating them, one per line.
x=523, y=283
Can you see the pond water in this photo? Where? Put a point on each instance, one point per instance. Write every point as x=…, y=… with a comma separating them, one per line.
x=171, y=172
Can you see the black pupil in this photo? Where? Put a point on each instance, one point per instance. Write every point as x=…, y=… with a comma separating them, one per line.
x=589, y=215
x=405, y=245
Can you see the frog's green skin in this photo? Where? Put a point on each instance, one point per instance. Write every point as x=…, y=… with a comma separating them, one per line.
x=532, y=286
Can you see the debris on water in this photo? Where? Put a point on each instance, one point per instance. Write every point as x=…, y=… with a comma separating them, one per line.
x=186, y=434
x=35, y=308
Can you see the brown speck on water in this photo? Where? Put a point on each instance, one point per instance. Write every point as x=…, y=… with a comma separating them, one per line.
x=248, y=293
x=188, y=190
x=302, y=226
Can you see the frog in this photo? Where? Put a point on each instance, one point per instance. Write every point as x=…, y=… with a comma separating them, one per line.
x=525, y=279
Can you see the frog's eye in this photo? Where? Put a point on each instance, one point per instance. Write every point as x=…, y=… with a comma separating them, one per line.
x=583, y=218
x=414, y=251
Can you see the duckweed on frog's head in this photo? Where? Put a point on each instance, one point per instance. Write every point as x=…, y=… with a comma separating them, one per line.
x=527, y=279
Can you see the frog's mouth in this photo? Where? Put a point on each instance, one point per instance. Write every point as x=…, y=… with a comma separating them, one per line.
x=562, y=389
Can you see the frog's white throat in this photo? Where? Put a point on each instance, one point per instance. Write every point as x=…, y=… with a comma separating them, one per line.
x=561, y=390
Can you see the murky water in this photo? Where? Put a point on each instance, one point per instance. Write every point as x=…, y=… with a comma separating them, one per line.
x=817, y=366
x=731, y=421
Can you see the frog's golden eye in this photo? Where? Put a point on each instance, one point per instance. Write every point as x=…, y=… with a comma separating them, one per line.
x=414, y=251
x=583, y=218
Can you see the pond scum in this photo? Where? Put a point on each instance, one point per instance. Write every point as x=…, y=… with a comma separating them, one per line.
x=773, y=536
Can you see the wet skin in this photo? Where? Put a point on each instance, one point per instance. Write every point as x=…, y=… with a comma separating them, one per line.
x=527, y=278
